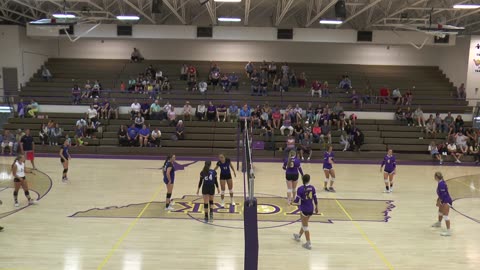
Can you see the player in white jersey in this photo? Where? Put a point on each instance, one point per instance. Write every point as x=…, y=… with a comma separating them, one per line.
x=19, y=180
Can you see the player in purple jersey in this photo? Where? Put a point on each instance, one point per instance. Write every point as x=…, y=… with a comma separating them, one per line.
x=306, y=200
x=208, y=182
x=292, y=168
x=328, y=158
x=226, y=169
x=389, y=171
x=444, y=202
x=169, y=180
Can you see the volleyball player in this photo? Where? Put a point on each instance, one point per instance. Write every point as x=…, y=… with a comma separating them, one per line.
x=306, y=199
x=389, y=171
x=226, y=168
x=65, y=159
x=328, y=158
x=19, y=180
x=444, y=202
x=169, y=180
x=292, y=168
x=208, y=182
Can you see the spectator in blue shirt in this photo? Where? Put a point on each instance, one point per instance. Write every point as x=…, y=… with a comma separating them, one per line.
x=233, y=112
x=143, y=136
x=244, y=115
x=233, y=81
x=132, y=134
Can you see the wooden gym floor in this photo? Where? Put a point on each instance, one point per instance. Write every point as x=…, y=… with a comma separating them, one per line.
x=102, y=219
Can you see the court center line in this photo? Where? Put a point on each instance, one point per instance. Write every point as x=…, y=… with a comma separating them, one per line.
x=127, y=232
x=365, y=237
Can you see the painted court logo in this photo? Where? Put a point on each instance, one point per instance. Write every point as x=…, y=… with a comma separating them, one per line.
x=270, y=209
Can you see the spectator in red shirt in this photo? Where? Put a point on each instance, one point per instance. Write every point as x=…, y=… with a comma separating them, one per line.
x=385, y=95
x=192, y=73
x=316, y=88
x=316, y=132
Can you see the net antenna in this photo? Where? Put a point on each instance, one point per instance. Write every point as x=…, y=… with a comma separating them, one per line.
x=249, y=165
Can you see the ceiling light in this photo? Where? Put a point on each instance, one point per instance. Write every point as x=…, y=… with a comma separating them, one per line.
x=331, y=22
x=63, y=16
x=128, y=18
x=229, y=1
x=225, y=19
x=466, y=6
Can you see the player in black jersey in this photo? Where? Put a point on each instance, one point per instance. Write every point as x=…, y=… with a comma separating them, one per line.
x=226, y=168
x=208, y=182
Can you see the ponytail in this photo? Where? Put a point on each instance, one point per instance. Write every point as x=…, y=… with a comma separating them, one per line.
x=291, y=155
x=169, y=156
x=206, y=168
x=306, y=179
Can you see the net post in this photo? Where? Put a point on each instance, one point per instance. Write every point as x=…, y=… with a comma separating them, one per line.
x=251, y=234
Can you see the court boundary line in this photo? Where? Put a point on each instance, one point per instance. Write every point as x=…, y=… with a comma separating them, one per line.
x=365, y=237
x=127, y=231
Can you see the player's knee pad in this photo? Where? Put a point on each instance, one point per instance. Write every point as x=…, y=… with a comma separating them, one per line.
x=169, y=195
x=210, y=202
x=289, y=190
x=326, y=180
x=27, y=193
x=446, y=218
x=15, y=193
x=332, y=179
x=440, y=214
x=305, y=228
x=222, y=192
x=385, y=180
x=231, y=191
x=65, y=170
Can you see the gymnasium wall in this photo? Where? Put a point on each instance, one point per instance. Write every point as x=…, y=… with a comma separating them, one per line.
x=453, y=61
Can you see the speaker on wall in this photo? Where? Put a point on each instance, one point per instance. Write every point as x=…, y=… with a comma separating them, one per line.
x=365, y=36
x=124, y=30
x=157, y=6
x=284, y=33
x=204, y=32
x=340, y=9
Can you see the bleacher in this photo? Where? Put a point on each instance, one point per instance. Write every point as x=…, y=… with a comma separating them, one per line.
x=433, y=92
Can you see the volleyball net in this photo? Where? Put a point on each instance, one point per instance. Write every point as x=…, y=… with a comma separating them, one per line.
x=250, y=205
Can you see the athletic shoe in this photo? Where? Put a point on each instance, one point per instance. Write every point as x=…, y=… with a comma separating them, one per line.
x=16, y=204
x=307, y=245
x=222, y=203
x=458, y=161
x=32, y=202
x=172, y=203
x=308, y=158
x=441, y=162
x=446, y=233
x=232, y=202
x=205, y=219
x=211, y=217
x=437, y=224
x=170, y=208
x=64, y=180
x=386, y=191
x=391, y=189
x=326, y=189
x=331, y=189
x=296, y=237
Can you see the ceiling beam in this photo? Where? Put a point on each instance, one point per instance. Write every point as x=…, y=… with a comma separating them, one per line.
x=139, y=11
x=400, y=10
x=19, y=13
x=247, y=12
x=361, y=11
x=325, y=9
x=32, y=7
x=212, y=11
x=286, y=5
x=174, y=11
x=464, y=15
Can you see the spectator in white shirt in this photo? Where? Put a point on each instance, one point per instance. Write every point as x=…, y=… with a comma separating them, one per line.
x=187, y=111
x=201, y=111
x=134, y=109
x=172, y=116
x=155, y=137
x=298, y=113
x=92, y=114
x=46, y=74
x=397, y=96
x=166, y=109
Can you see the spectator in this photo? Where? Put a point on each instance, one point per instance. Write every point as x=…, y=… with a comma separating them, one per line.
x=325, y=89
x=143, y=136
x=80, y=134
x=461, y=93
x=211, y=111
x=54, y=135
x=122, y=136
x=76, y=94
x=91, y=128
x=97, y=87
x=123, y=87
x=192, y=73
x=43, y=134
x=358, y=139
x=224, y=83
x=418, y=114
x=232, y=81
x=397, y=96
x=249, y=69
x=345, y=83
x=384, y=95
x=305, y=147
x=285, y=69
x=166, y=85
x=337, y=108
x=268, y=129
x=287, y=124
x=316, y=88
x=310, y=112
x=8, y=141
x=192, y=84
x=356, y=99
x=400, y=115
x=33, y=109
x=105, y=110
x=430, y=127
x=172, y=116
x=187, y=111
x=452, y=150
x=136, y=56
x=277, y=118
x=132, y=135
x=298, y=131
x=202, y=88
x=233, y=112
x=461, y=142
x=46, y=74
x=214, y=78
x=139, y=121
x=326, y=133
x=183, y=72
x=21, y=109
x=316, y=132
x=434, y=151
x=87, y=90
x=302, y=80
x=272, y=70
x=263, y=87
x=145, y=109
x=439, y=124
x=92, y=113
x=222, y=112
x=155, y=137
x=200, y=113
x=180, y=130
x=245, y=117
x=345, y=140
x=297, y=113
x=276, y=84
x=135, y=108
x=449, y=121
x=293, y=79
x=155, y=110
x=459, y=123
x=409, y=117
x=255, y=84
x=255, y=117
x=284, y=84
